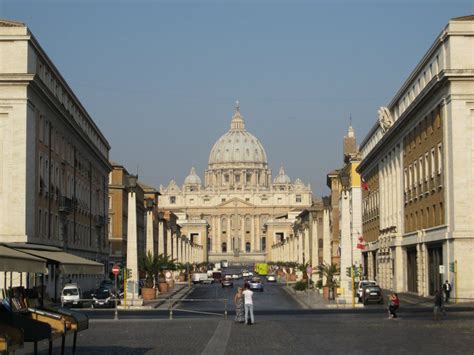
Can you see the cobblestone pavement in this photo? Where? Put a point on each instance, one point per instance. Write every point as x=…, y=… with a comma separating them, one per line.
x=332, y=333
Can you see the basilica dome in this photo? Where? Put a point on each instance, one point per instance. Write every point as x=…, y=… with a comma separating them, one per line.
x=237, y=145
x=192, y=178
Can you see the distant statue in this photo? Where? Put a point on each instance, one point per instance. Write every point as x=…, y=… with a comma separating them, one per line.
x=385, y=118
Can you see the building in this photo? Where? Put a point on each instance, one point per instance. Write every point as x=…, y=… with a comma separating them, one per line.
x=231, y=213
x=417, y=161
x=53, y=159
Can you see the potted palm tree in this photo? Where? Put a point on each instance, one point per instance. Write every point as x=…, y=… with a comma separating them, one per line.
x=148, y=265
x=328, y=272
x=164, y=262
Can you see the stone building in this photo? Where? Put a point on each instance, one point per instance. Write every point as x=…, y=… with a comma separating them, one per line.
x=53, y=159
x=417, y=160
x=231, y=213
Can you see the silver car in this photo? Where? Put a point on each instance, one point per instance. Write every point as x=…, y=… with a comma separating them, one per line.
x=256, y=284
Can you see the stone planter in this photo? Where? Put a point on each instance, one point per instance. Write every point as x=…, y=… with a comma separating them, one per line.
x=170, y=283
x=328, y=293
x=148, y=293
x=163, y=287
x=181, y=278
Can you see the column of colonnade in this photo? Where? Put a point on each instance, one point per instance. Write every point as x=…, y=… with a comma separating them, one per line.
x=252, y=233
x=230, y=247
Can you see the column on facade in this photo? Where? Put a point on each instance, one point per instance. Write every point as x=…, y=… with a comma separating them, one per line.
x=308, y=246
x=252, y=234
x=229, y=232
x=256, y=241
x=168, y=238
x=300, y=246
x=242, y=233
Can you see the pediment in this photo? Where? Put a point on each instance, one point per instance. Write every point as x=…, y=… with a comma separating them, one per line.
x=236, y=203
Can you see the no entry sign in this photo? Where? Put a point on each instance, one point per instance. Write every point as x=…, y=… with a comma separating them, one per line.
x=115, y=270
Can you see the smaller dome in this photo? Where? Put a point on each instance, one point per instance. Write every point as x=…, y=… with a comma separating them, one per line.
x=192, y=178
x=282, y=178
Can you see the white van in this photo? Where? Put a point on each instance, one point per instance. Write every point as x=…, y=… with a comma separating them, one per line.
x=201, y=277
x=71, y=296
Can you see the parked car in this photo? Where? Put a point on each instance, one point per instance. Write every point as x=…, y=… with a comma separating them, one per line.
x=217, y=276
x=103, y=298
x=271, y=278
x=245, y=273
x=108, y=284
x=361, y=286
x=256, y=284
x=227, y=281
x=372, y=293
x=235, y=276
x=250, y=274
x=201, y=277
x=71, y=295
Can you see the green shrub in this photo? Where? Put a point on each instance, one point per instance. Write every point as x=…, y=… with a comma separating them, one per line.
x=302, y=285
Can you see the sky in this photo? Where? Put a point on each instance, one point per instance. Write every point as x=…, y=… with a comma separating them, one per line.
x=160, y=78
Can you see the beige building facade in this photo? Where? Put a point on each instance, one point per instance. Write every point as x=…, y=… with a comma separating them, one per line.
x=418, y=163
x=231, y=213
x=53, y=159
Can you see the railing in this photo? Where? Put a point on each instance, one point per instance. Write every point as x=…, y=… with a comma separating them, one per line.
x=179, y=300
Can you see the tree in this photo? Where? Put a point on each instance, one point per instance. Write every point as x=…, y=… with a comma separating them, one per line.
x=148, y=264
x=328, y=272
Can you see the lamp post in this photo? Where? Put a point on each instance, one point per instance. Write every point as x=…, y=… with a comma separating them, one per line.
x=345, y=180
x=132, y=242
x=149, y=205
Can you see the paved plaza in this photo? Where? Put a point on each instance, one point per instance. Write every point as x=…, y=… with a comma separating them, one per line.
x=338, y=332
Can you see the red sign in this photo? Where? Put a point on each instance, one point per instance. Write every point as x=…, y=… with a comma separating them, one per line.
x=115, y=270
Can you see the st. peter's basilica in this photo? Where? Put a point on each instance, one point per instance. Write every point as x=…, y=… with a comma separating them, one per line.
x=240, y=211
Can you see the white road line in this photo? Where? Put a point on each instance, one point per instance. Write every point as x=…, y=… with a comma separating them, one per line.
x=218, y=342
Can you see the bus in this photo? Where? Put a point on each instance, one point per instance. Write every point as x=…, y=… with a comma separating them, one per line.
x=261, y=269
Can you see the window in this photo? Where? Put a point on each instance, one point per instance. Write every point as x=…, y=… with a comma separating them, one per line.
x=247, y=247
x=263, y=244
x=432, y=163
x=298, y=198
x=410, y=176
x=249, y=176
x=247, y=199
x=415, y=173
x=440, y=158
x=224, y=247
x=172, y=199
x=426, y=166
x=237, y=178
x=110, y=227
x=223, y=200
x=226, y=178
x=420, y=167
x=406, y=178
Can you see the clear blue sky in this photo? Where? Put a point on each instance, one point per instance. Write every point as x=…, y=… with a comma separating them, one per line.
x=160, y=78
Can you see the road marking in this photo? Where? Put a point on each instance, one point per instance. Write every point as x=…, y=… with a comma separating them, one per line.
x=218, y=342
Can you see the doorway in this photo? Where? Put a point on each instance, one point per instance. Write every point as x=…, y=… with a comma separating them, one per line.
x=412, y=270
x=435, y=260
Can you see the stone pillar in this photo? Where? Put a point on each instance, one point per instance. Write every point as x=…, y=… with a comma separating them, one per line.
x=149, y=232
x=242, y=234
x=218, y=236
x=132, y=250
x=256, y=241
x=252, y=234
x=326, y=238
x=161, y=238
x=168, y=241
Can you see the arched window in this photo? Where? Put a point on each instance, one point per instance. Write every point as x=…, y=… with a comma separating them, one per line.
x=247, y=247
x=224, y=247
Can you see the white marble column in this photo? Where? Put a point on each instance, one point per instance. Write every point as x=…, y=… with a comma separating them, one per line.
x=161, y=238
x=229, y=232
x=132, y=249
x=252, y=234
x=168, y=241
x=257, y=235
x=326, y=238
x=242, y=234
x=149, y=233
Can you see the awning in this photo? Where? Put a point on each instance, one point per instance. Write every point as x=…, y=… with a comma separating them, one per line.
x=13, y=260
x=68, y=263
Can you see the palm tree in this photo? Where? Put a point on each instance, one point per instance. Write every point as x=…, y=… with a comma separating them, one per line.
x=328, y=272
x=164, y=262
x=148, y=264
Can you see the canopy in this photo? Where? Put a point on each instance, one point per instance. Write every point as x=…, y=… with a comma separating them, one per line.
x=68, y=263
x=13, y=260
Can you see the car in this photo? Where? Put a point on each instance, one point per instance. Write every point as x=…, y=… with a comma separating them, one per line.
x=227, y=281
x=361, y=285
x=217, y=276
x=372, y=293
x=108, y=284
x=103, y=298
x=256, y=284
x=71, y=295
x=235, y=276
x=250, y=274
x=271, y=278
x=245, y=273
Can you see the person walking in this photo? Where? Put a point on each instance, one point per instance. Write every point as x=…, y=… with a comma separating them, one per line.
x=393, y=305
x=447, y=290
x=239, y=306
x=438, y=305
x=248, y=305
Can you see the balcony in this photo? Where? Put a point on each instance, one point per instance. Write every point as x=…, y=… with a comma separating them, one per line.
x=65, y=204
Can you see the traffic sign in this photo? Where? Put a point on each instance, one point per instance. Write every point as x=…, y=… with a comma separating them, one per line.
x=115, y=270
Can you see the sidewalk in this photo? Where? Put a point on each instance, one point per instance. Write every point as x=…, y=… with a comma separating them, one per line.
x=314, y=300
x=413, y=300
x=179, y=291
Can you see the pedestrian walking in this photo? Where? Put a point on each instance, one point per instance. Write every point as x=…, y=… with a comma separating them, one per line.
x=447, y=290
x=239, y=306
x=248, y=305
x=438, y=305
x=393, y=305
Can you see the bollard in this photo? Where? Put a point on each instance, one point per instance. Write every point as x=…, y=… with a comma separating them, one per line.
x=225, y=309
x=171, y=313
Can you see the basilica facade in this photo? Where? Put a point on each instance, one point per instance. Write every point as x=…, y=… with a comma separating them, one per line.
x=240, y=211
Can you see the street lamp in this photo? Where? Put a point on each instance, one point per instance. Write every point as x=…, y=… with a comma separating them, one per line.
x=132, y=182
